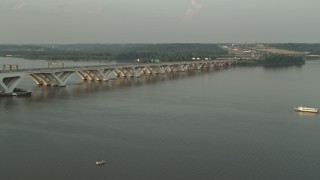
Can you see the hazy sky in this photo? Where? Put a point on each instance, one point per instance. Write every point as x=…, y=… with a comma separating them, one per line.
x=159, y=21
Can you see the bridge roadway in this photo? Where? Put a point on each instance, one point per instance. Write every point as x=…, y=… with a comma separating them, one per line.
x=9, y=79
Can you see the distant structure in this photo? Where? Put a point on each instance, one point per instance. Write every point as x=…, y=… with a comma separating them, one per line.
x=10, y=67
x=55, y=64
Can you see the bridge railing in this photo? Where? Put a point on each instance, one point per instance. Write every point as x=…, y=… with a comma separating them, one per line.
x=74, y=68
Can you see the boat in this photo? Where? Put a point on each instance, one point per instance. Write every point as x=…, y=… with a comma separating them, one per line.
x=17, y=92
x=306, y=109
x=100, y=162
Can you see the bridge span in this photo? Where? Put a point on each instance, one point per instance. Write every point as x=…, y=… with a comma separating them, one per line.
x=9, y=79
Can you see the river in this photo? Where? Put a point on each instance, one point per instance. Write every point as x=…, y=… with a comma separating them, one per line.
x=235, y=123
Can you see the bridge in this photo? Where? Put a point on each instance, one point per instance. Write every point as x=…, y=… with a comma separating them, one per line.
x=10, y=79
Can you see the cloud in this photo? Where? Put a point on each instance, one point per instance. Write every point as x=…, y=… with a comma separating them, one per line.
x=97, y=10
x=189, y=12
x=19, y=6
x=196, y=4
x=195, y=7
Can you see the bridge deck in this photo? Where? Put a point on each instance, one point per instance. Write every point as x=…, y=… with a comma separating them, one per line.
x=9, y=79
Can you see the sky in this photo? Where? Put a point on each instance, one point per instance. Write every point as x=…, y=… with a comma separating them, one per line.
x=159, y=21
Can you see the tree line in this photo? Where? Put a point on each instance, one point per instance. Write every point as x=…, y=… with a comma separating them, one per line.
x=164, y=52
x=275, y=59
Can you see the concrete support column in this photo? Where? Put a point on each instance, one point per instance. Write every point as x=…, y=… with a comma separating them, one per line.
x=63, y=77
x=108, y=73
x=129, y=71
x=138, y=71
x=42, y=79
x=148, y=70
x=8, y=82
x=121, y=73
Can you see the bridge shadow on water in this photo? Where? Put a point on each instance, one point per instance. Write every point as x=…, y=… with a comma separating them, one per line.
x=84, y=89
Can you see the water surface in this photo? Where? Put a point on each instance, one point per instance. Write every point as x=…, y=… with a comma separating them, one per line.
x=235, y=123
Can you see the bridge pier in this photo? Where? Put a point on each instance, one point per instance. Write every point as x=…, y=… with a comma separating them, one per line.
x=96, y=75
x=63, y=77
x=50, y=79
x=107, y=73
x=121, y=73
x=86, y=75
x=154, y=69
x=199, y=66
x=174, y=68
x=166, y=68
x=148, y=70
x=138, y=71
x=8, y=83
x=36, y=79
x=128, y=71
x=83, y=75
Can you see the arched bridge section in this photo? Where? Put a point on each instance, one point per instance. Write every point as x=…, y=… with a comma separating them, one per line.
x=9, y=79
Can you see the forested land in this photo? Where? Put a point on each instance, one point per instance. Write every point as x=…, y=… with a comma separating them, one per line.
x=275, y=60
x=163, y=52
